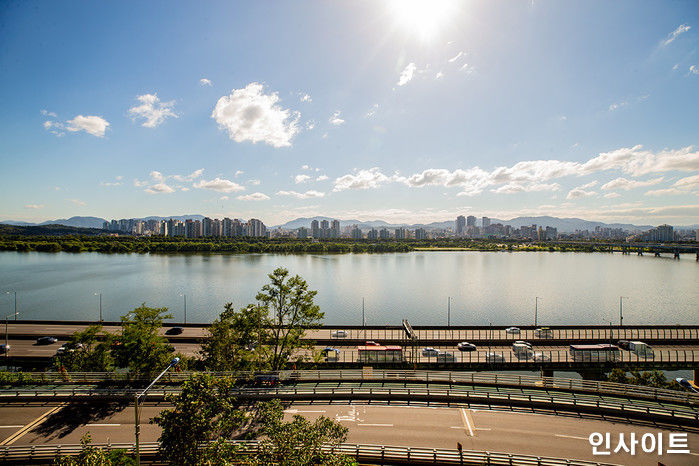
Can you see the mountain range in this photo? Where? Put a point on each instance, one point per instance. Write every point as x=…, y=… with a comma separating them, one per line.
x=564, y=225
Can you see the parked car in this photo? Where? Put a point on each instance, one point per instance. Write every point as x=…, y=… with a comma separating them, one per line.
x=443, y=356
x=512, y=330
x=429, y=351
x=338, y=334
x=623, y=344
x=174, y=331
x=494, y=357
x=543, y=332
x=4, y=348
x=541, y=357
x=371, y=343
x=466, y=346
x=46, y=340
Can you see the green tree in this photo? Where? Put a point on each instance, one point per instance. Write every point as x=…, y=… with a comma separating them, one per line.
x=235, y=340
x=86, y=350
x=618, y=376
x=140, y=347
x=93, y=456
x=289, y=304
x=204, y=411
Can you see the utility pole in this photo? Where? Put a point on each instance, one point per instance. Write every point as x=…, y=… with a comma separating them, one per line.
x=536, y=311
x=185, y=308
x=100, y=304
x=449, y=311
x=621, y=310
x=15, y=292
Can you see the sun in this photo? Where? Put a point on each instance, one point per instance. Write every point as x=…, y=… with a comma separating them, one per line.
x=421, y=17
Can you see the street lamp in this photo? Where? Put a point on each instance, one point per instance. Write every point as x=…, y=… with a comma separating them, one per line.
x=621, y=314
x=15, y=292
x=536, y=311
x=6, y=343
x=448, y=311
x=100, y=295
x=137, y=413
x=185, y=306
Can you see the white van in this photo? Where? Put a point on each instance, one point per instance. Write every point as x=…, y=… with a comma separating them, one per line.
x=641, y=349
x=338, y=334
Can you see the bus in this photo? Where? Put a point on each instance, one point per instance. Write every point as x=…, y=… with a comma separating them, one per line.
x=380, y=354
x=594, y=353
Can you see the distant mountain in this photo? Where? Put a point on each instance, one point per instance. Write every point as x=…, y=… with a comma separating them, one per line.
x=306, y=222
x=79, y=222
x=47, y=230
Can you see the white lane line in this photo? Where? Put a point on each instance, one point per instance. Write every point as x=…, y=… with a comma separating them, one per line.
x=482, y=428
x=571, y=436
x=12, y=427
x=105, y=425
x=466, y=421
x=294, y=411
x=376, y=425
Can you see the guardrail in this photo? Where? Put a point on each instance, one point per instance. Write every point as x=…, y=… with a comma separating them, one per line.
x=363, y=453
x=452, y=378
x=675, y=415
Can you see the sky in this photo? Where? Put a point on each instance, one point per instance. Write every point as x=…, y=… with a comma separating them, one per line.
x=405, y=111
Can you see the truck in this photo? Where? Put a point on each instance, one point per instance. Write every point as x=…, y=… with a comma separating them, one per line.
x=641, y=349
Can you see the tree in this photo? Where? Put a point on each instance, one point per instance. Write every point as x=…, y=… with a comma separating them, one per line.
x=289, y=304
x=235, y=340
x=92, y=456
x=203, y=411
x=86, y=350
x=140, y=347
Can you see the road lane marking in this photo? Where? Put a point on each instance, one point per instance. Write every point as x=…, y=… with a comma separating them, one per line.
x=376, y=425
x=105, y=425
x=467, y=422
x=572, y=436
x=14, y=437
x=294, y=411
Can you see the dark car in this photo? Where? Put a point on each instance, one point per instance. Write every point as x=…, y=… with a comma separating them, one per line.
x=174, y=331
x=466, y=346
x=46, y=340
x=623, y=344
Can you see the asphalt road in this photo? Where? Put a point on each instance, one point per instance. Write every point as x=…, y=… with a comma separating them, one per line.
x=521, y=433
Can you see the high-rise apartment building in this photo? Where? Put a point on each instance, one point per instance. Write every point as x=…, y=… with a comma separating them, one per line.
x=384, y=234
x=400, y=233
x=372, y=234
x=420, y=233
x=315, y=230
x=356, y=233
x=486, y=222
x=460, y=229
x=470, y=221
x=255, y=228
x=335, y=227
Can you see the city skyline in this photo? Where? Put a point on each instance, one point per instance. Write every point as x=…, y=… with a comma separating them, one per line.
x=286, y=111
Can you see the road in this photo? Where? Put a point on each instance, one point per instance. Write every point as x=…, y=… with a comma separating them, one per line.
x=521, y=433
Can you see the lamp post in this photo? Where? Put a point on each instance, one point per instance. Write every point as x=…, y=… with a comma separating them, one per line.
x=100, y=295
x=621, y=309
x=6, y=343
x=363, y=319
x=185, y=307
x=15, y=292
x=448, y=311
x=137, y=413
x=536, y=311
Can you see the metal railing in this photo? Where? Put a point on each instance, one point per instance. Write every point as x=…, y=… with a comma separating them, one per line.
x=363, y=453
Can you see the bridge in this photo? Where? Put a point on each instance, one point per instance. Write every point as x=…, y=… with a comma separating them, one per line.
x=632, y=247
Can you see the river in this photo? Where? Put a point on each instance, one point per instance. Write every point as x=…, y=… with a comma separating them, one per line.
x=497, y=287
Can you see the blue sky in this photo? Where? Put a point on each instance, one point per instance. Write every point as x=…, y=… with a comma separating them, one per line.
x=404, y=111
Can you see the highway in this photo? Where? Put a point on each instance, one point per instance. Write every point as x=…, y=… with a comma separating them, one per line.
x=475, y=429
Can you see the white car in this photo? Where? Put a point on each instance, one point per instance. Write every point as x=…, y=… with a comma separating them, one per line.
x=494, y=357
x=429, y=351
x=338, y=334
x=512, y=330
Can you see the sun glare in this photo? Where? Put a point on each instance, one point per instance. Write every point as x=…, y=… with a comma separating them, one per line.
x=422, y=17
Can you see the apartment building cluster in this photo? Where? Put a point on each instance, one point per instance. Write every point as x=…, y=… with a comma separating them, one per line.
x=189, y=228
x=466, y=227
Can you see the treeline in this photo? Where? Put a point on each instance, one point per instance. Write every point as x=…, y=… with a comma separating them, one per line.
x=243, y=245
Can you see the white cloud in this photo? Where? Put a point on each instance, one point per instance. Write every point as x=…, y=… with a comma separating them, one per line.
x=34, y=206
x=363, y=179
x=372, y=111
x=47, y=113
x=223, y=198
x=306, y=167
x=78, y=202
x=139, y=184
x=685, y=185
x=91, y=124
x=248, y=114
x=682, y=28
x=310, y=124
x=581, y=191
x=513, y=188
x=205, y=82
x=612, y=195
x=306, y=195
x=322, y=178
x=156, y=175
x=407, y=74
x=238, y=173
x=219, y=184
x=439, y=75
x=617, y=106
x=626, y=184
x=159, y=188
x=254, y=182
x=152, y=110
x=693, y=69
x=191, y=177
x=253, y=197
x=453, y=59
x=335, y=119
x=636, y=161
x=110, y=183
x=305, y=98
x=298, y=179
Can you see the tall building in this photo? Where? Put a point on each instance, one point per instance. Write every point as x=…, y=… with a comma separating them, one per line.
x=460, y=229
x=666, y=233
x=255, y=228
x=302, y=233
x=335, y=228
x=315, y=230
x=420, y=233
x=206, y=226
x=372, y=235
x=551, y=233
x=400, y=233
x=356, y=233
x=486, y=222
x=384, y=234
x=470, y=221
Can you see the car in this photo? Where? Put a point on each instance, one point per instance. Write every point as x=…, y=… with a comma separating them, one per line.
x=331, y=354
x=512, y=330
x=543, y=332
x=429, y=351
x=466, y=346
x=494, y=357
x=443, y=356
x=4, y=348
x=174, y=331
x=521, y=347
x=371, y=343
x=623, y=344
x=330, y=349
x=338, y=334
x=527, y=354
x=46, y=340
x=541, y=357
